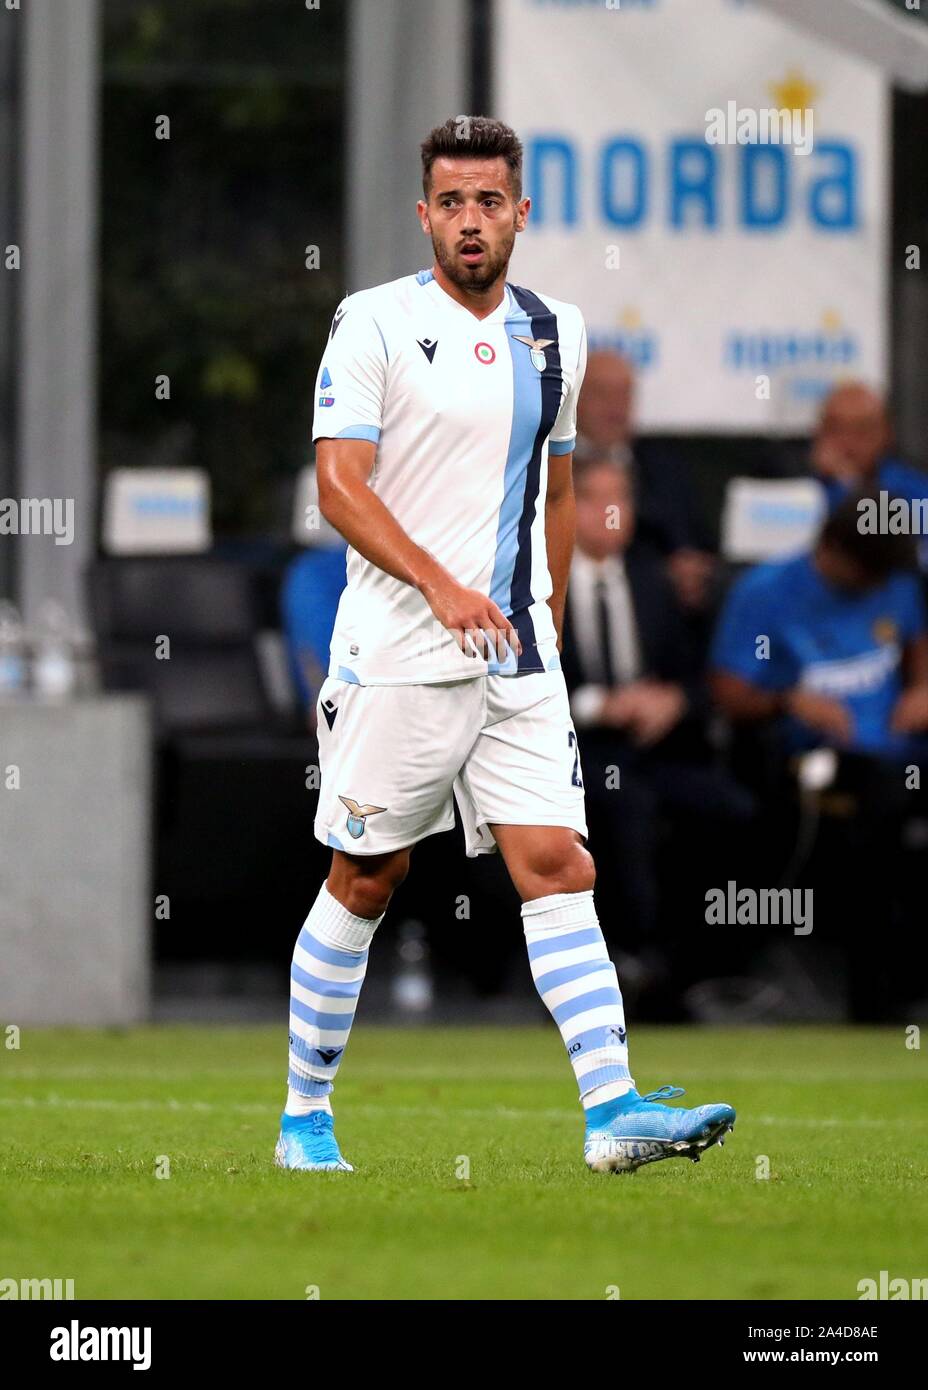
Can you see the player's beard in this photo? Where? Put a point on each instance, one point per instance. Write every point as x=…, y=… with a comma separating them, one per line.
x=475, y=278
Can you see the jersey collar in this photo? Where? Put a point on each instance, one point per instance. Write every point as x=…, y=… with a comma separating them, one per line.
x=499, y=314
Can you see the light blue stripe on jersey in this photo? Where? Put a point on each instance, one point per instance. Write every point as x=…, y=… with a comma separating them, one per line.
x=561, y=446
x=526, y=418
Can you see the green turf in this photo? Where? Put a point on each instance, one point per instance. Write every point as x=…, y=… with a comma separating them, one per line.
x=84, y=1117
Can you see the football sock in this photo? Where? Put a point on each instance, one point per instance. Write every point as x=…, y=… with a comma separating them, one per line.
x=329, y=964
x=577, y=982
x=305, y=1105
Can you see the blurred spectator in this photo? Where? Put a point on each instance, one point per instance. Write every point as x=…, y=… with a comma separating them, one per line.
x=830, y=649
x=312, y=587
x=832, y=645
x=638, y=699
x=853, y=450
x=667, y=507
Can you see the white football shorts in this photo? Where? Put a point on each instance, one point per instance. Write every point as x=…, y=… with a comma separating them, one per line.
x=391, y=756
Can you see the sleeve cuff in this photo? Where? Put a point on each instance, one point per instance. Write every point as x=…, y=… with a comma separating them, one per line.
x=369, y=432
x=561, y=446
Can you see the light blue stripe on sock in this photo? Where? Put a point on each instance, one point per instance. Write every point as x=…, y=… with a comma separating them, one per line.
x=308, y=1053
x=328, y=954
x=341, y=989
x=581, y=936
x=331, y=1023
x=596, y=999
x=614, y=1071
x=592, y=1038
x=568, y=973
x=304, y=1086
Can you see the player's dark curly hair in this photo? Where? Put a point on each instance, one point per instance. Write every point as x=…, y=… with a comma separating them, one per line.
x=878, y=555
x=478, y=135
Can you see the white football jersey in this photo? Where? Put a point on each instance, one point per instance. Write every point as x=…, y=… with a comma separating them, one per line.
x=464, y=413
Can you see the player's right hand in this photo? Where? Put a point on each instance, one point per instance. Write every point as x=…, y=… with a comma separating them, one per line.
x=476, y=622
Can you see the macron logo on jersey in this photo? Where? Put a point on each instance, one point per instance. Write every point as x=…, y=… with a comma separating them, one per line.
x=428, y=346
x=339, y=315
x=325, y=388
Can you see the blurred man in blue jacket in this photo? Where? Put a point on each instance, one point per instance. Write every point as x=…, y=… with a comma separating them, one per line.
x=829, y=650
x=831, y=646
x=312, y=586
x=853, y=451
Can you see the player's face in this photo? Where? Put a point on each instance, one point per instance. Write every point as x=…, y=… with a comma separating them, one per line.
x=472, y=218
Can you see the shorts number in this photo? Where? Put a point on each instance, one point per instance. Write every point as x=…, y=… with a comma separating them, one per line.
x=575, y=779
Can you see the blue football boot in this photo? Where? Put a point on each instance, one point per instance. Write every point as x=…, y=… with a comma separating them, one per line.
x=624, y=1134
x=308, y=1142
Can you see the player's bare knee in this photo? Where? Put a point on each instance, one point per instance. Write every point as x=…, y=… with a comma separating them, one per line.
x=365, y=885
x=566, y=870
x=577, y=870
x=368, y=896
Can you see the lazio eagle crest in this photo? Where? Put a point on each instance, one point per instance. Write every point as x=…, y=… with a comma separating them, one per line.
x=357, y=815
x=537, y=346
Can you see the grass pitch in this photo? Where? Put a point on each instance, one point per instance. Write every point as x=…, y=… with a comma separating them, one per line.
x=88, y=1119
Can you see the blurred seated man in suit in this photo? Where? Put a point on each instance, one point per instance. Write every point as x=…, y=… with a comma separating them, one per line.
x=853, y=451
x=638, y=702
x=667, y=510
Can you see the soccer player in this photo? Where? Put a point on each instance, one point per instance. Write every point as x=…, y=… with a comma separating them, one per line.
x=445, y=420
